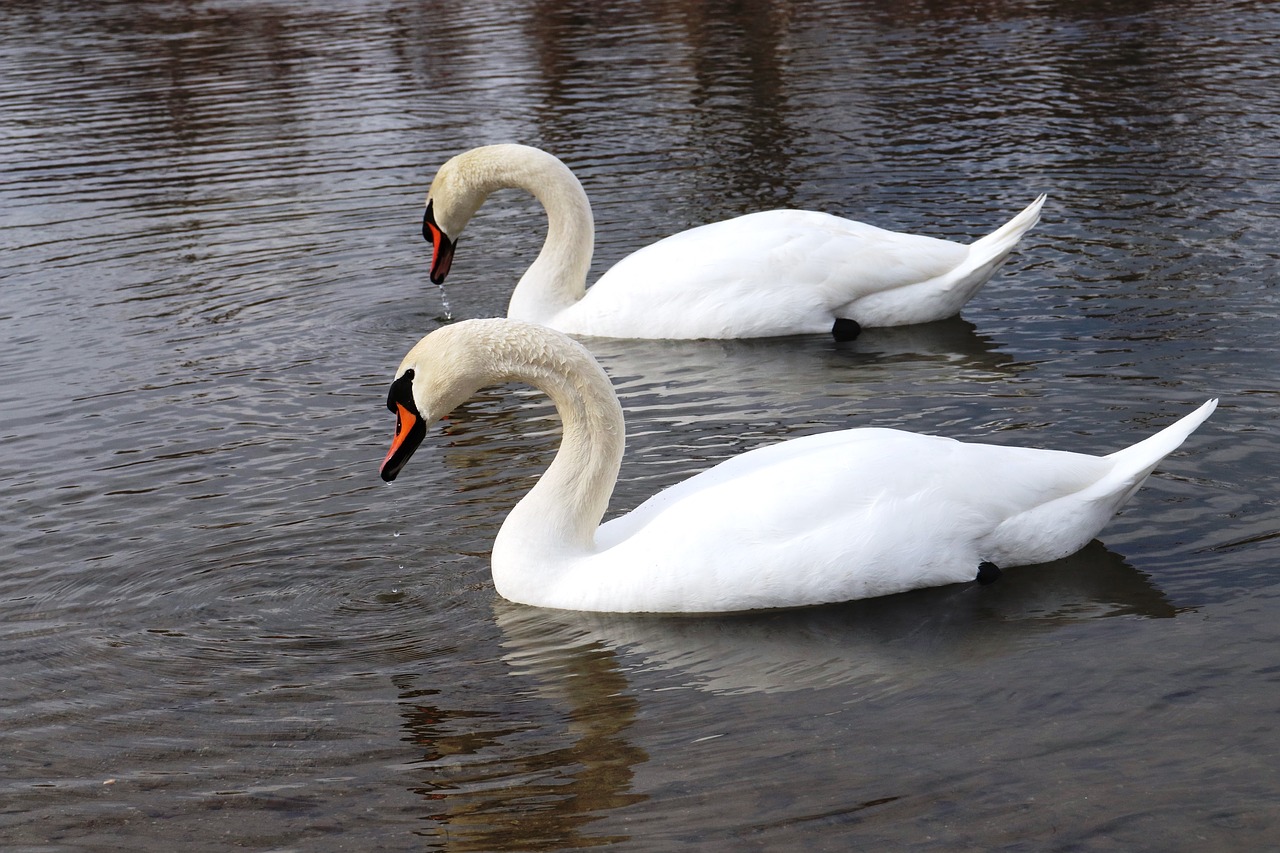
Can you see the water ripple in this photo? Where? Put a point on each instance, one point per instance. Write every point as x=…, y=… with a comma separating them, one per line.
x=214, y=617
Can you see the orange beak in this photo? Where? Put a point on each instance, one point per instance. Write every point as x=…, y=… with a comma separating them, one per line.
x=410, y=431
x=441, y=246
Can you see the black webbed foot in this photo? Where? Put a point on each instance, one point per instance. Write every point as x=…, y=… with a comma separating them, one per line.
x=845, y=330
x=988, y=573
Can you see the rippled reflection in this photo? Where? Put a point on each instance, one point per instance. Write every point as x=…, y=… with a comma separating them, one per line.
x=872, y=648
x=484, y=795
x=218, y=628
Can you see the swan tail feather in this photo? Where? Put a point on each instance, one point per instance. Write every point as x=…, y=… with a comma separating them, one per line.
x=987, y=254
x=1136, y=462
x=1000, y=242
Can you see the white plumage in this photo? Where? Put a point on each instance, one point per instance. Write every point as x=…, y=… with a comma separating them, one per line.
x=777, y=272
x=825, y=518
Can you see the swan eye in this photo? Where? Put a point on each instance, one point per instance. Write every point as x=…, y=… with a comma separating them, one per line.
x=429, y=227
x=401, y=393
x=431, y=232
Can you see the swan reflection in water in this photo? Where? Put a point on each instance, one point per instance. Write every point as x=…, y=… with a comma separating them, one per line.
x=501, y=777
x=875, y=646
x=784, y=371
x=497, y=780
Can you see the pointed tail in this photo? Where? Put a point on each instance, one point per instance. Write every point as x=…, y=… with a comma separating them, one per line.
x=1001, y=241
x=988, y=253
x=1136, y=462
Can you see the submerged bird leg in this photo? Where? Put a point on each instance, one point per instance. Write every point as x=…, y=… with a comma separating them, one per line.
x=845, y=330
x=988, y=573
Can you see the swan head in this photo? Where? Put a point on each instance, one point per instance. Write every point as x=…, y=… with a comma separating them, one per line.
x=451, y=202
x=457, y=191
x=441, y=372
x=463, y=183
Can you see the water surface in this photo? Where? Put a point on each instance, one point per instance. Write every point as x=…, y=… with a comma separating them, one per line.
x=219, y=629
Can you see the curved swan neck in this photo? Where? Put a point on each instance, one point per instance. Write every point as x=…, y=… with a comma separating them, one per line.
x=562, y=511
x=560, y=514
x=557, y=279
x=558, y=276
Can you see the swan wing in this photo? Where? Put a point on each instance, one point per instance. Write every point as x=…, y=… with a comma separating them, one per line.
x=833, y=517
x=769, y=273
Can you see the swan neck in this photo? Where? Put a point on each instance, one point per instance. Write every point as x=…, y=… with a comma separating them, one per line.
x=560, y=514
x=557, y=279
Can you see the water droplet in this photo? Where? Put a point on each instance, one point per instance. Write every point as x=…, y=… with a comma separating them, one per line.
x=393, y=596
x=444, y=299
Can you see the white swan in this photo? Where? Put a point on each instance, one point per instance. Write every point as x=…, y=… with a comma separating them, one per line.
x=825, y=518
x=778, y=272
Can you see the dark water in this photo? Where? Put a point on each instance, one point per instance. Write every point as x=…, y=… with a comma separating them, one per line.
x=219, y=629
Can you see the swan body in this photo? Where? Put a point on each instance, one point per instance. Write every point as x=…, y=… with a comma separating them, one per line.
x=777, y=272
x=824, y=518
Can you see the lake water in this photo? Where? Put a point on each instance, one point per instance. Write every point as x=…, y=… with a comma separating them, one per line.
x=219, y=629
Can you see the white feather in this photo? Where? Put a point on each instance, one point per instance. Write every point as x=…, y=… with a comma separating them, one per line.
x=777, y=272
x=825, y=518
